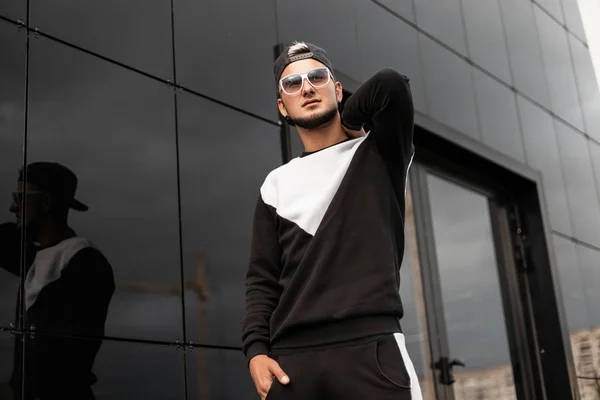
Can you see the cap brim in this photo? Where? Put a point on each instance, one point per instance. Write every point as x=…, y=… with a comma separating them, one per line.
x=78, y=206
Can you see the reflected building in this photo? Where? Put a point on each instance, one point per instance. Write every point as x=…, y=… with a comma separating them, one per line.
x=586, y=353
x=497, y=382
x=490, y=383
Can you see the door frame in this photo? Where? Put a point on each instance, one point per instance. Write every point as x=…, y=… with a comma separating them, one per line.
x=542, y=330
x=512, y=304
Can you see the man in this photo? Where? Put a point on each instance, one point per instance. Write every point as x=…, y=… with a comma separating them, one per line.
x=67, y=291
x=322, y=298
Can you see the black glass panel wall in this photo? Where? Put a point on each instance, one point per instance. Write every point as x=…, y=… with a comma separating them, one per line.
x=6, y=364
x=214, y=374
x=540, y=144
x=587, y=84
x=559, y=69
x=524, y=50
x=444, y=21
x=572, y=12
x=498, y=119
x=406, y=9
x=114, y=129
x=485, y=37
x=139, y=371
x=216, y=58
x=386, y=41
x=121, y=371
x=13, y=9
x=447, y=77
x=552, y=8
x=224, y=158
x=12, y=128
x=313, y=21
x=579, y=181
x=136, y=33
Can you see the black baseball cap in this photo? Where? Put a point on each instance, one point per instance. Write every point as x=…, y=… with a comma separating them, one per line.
x=313, y=52
x=55, y=179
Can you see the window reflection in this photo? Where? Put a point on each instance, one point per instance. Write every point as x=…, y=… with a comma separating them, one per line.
x=134, y=32
x=128, y=370
x=524, y=51
x=68, y=284
x=485, y=36
x=115, y=130
x=576, y=265
x=443, y=20
x=377, y=33
x=210, y=373
x=580, y=184
x=14, y=9
x=302, y=20
x=6, y=362
x=224, y=33
x=559, y=69
x=447, y=78
x=224, y=157
x=471, y=294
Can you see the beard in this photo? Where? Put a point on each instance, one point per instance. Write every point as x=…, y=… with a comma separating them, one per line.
x=314, y=121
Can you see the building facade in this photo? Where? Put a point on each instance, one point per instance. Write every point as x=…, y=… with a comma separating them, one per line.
x=166, y=111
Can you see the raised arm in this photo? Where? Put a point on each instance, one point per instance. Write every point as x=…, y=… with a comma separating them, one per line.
x=262, y=281
x=385, y=101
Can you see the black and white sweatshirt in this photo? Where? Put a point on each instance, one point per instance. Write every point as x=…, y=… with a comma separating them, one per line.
x=328, y=231
x=68, y=289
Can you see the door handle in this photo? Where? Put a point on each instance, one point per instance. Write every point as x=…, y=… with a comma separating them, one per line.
x=445, y=365
x=456, y=363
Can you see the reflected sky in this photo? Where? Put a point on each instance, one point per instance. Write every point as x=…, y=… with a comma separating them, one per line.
x=154, y=372
x=12, y=78
x=144, y=38
x=468, y=271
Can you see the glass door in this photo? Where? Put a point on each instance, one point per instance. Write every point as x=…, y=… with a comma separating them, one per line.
x=461, y=314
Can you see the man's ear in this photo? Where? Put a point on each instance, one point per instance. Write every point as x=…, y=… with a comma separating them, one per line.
x=339, y=92
x=282, y=108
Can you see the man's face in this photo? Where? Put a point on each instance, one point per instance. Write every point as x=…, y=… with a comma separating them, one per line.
x=311, y=107
x=34, y=204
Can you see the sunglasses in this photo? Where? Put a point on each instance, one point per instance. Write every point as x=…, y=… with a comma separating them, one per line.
x=17, y=197
x=293, y=84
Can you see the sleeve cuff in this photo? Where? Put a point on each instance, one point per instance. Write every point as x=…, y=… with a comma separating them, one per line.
x=256, y=349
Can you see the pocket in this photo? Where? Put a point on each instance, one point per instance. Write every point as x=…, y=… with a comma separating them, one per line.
x=390, y=363
x=271, y=393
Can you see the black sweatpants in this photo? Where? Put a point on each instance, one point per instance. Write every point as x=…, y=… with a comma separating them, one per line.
x=378, y=369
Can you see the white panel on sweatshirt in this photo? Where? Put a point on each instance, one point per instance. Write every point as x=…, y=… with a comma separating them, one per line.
x=48, y=265
x=301, y=190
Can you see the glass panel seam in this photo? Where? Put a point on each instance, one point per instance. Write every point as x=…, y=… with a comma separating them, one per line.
x=179, y=210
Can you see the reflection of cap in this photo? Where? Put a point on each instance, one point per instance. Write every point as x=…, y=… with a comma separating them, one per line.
x=314, y=52
x=55, y=179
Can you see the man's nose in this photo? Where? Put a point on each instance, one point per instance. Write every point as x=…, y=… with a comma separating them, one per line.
x=307, y=87
x=13, y=207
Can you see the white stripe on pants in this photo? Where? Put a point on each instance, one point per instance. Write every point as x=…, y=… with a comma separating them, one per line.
x=415, y=388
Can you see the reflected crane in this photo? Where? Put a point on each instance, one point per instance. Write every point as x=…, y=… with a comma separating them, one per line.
x=197, y=285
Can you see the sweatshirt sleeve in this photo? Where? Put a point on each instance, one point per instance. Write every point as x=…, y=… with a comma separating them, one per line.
x=10, y=247
x=385, y=101
x=262, y=281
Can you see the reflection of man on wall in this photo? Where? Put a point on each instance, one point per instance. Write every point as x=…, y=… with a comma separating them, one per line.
x=68, y=287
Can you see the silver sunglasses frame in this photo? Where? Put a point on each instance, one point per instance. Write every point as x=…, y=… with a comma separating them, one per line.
x=304, y=77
